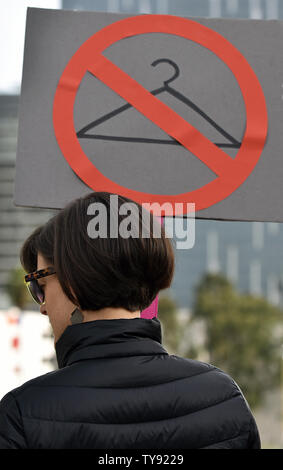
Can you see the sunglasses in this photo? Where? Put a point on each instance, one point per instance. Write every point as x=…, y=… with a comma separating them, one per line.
x=34, y=288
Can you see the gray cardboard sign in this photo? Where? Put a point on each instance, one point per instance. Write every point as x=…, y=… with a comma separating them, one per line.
x=126, y=146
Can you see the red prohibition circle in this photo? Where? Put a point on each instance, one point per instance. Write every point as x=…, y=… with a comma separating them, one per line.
x=230, y=173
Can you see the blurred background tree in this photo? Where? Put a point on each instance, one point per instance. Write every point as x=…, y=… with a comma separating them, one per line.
x=168, y=316
x=243, y=335
x=16, y=288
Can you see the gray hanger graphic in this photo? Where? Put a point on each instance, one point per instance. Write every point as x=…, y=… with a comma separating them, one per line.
x=83, y=133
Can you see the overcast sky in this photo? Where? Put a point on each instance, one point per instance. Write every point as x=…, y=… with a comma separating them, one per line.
x=12, y=33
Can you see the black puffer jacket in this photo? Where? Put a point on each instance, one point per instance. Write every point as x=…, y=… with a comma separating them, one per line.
x=117, y=387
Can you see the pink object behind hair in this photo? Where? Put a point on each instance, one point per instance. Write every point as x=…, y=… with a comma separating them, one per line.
x=152, y=310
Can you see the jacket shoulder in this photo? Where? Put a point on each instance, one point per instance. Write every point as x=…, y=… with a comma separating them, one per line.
x=27, y=386
x=218, y=397
x=12, y=409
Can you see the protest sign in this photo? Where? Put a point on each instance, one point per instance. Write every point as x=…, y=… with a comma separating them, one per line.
x=154, y=107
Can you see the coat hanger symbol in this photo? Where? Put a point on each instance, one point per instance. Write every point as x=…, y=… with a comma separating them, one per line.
x=83, y=133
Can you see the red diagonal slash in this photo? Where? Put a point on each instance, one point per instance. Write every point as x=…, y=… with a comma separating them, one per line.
x=161, y=115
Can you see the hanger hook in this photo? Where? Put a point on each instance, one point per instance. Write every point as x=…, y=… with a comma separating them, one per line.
x=175, y=67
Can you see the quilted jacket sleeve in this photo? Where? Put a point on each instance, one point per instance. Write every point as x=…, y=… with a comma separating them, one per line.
x=254, y=438
x=11, y=427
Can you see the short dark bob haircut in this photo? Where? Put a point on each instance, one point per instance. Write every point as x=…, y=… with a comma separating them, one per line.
x=95, y=273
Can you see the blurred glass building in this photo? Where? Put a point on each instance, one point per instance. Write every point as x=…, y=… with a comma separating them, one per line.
x=16, y=223
x=257, y=9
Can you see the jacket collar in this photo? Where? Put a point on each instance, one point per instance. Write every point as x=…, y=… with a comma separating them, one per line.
x=109, y=338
